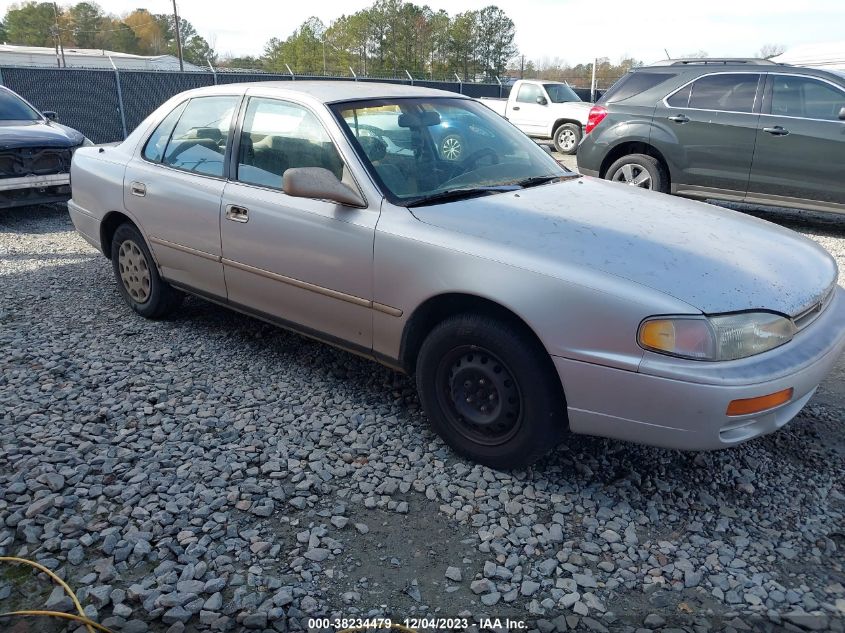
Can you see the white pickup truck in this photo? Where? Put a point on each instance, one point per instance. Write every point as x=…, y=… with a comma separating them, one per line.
x=545, y=110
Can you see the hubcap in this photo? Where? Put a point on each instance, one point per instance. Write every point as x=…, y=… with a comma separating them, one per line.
x=452, y=148
x=481, y=398
x=566, y=139
x=633, y=175
x=134, y=271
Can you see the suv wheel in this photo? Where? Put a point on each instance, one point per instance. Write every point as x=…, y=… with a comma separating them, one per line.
x=137, y=276
x=639, y=170
x=566, y=138
x=486, y=394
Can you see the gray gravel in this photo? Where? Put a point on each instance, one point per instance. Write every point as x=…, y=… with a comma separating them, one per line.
x=211, y=472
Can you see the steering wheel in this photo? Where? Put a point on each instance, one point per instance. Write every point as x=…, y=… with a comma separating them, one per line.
x=468, y=164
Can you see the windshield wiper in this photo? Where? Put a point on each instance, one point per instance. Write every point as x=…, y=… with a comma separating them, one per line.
x=541, y=180
x=461, y=194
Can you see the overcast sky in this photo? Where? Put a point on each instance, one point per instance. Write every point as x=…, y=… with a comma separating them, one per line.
x=574, y=30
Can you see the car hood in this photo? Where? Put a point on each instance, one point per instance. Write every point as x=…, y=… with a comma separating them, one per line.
x=14, y=134
x=713, y=259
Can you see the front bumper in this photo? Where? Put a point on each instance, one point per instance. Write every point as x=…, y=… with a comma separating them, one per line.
x=85, y=224
x=675, y=403
x=32, y=190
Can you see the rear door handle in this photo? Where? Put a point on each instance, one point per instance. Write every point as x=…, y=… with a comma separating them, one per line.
x=679, y=118
x=776, y=130
x=236, y=213
x=515, y=108
x=138, y=189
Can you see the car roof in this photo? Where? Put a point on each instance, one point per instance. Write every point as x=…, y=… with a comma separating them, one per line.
x=710, y=66
x=332, y=91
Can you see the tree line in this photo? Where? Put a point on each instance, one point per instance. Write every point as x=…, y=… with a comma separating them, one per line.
x=86, y=25
x=393, y=36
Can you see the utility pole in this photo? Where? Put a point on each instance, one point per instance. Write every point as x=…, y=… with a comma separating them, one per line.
x=59, y=36
x=522, y=67
x=178, y=37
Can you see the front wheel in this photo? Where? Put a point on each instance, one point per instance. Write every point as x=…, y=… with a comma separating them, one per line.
x=566, y=138
x=137, y=277
x=490, y=391
x=639, y=170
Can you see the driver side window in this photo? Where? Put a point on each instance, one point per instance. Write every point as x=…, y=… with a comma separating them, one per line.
x=528, y=93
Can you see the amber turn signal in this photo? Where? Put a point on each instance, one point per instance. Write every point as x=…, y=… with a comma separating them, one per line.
x=746, y=406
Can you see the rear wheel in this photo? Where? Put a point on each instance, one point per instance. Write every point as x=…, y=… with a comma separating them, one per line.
x=137, y=276
x=490, y=392
x=639, y=170
x=566, y=138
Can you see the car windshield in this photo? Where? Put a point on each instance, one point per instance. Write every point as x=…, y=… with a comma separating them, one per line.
x=561, y=93
x=423, y=150
x=13, y=108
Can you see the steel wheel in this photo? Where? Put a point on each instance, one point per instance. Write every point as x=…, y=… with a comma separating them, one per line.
x=134, y=272
x=452, y=147
x=634, y=175
x=566, y=140
x=479, y=395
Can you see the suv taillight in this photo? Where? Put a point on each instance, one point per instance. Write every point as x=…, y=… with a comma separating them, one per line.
x=597, y=114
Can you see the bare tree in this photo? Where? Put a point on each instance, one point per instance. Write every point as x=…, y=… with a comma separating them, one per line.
x=767, y=51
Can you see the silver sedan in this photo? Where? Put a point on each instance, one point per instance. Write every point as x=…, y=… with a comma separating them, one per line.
x=528, y=301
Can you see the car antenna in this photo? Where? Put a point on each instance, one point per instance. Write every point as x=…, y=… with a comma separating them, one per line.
x=668, y=56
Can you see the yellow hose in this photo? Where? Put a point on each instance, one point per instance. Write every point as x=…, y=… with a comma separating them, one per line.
x=89, y=624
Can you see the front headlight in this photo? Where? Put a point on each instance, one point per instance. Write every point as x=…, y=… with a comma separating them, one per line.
x=87, y=142
x=724, y=337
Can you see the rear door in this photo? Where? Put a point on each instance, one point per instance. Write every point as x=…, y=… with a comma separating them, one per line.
x=708, y=127
x=800, y=153
x=173, y=189
x=526, y=113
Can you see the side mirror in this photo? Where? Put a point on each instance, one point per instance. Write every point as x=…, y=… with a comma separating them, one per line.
x=50, y=114
x=542, y=100
x=842, y=114
x=319, y=184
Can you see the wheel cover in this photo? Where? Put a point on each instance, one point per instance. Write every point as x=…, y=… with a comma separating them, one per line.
x=479, y=395
x=566, y=139
x=634, y=175
x=451, y=148
x=134, y=272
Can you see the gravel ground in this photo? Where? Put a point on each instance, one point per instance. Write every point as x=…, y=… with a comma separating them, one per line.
x=211, y=472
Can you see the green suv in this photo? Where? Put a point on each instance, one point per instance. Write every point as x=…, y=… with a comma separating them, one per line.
x=747, y=130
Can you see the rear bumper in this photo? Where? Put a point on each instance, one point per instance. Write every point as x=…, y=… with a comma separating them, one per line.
x=690, y=413
x=86, y=224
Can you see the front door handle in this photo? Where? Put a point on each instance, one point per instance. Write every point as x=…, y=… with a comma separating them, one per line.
x=515, y=108
x=138, y=189
x=236, y=213
x=679, y=118
x=776, y=130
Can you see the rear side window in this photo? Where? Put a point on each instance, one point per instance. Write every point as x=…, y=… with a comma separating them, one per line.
x=154, y=149
x=528, y=93
x=728, y=92
x=199, y=140
x=806, y=98
x=633, y=84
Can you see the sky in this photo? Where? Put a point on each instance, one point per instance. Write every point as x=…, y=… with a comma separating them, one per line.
x=575, y=31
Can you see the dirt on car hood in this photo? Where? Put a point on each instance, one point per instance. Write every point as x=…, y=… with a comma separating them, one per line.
x=714, y=259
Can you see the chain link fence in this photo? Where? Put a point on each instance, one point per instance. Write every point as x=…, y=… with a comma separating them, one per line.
x=106, y=105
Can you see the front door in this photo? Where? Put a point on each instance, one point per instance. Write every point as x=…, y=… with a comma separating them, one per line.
x=706, y=131
x=800, y=153
x=527, y=113
x=174, y=188
x=304, y=262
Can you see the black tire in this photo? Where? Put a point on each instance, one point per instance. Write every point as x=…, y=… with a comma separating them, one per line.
x=471, y=356
x=146, y=293
x=566, y=138
x=658, y=178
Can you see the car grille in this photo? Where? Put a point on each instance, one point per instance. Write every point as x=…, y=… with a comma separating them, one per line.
x=806, y=317
x=39, y=161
